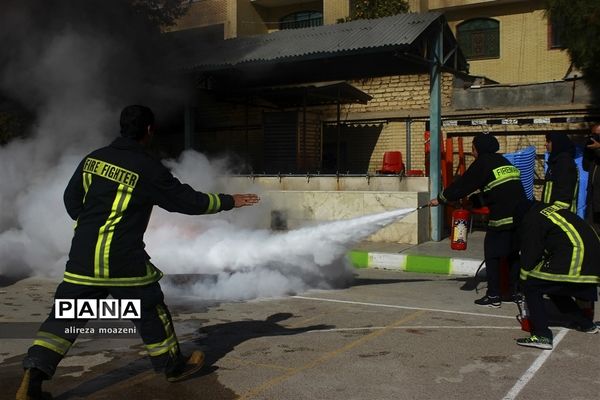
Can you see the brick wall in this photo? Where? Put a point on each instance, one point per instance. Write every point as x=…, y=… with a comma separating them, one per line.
x=396, y=93
x=399, y=92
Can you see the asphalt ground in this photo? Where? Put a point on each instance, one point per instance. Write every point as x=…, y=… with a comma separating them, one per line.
x=391, y=335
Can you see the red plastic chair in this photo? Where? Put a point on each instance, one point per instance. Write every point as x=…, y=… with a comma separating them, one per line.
x=392, y=163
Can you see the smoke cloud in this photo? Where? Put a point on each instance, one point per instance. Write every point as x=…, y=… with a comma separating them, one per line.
x=75, y=64
x=244, y=264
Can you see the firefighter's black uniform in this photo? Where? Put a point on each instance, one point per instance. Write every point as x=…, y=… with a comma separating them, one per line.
x=500, y=184
x=561, y=185
x=559, y=258
x=111, y=195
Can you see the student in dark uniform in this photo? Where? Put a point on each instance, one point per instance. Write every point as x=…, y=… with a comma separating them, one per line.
x=559, y=258
x=111, y=196
x=561, y=185
x=499, y=181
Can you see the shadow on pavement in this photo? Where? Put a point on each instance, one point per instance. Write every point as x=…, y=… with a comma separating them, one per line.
x=221, y=339
x=11, y=280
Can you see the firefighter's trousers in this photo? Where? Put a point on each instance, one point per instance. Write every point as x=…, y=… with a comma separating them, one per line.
x=155, y=327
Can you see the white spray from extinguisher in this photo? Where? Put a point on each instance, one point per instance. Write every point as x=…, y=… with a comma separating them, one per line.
x=242, y=264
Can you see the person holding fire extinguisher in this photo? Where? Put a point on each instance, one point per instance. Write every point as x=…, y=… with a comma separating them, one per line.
x=558, y=259
x=500, y=184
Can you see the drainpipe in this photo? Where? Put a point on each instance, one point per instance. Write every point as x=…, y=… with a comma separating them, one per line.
x=188, y=133
x=435, y=122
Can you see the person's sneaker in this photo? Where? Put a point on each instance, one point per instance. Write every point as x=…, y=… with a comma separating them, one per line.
x=192, y=365
x=539, y=342
x=489, y=301
x=31, y=386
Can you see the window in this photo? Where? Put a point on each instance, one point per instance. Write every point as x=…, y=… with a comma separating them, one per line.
x=555, y=27
x=479, y=38
x=302, y=19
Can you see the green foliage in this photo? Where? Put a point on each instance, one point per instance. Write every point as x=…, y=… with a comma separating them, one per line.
x=579, y=24
x=161, y=12
x=369, y=9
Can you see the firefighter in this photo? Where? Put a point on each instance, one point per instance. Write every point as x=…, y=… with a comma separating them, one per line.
x=561, y=185
x=110, y=196
x=558, y=259
x=500, y=184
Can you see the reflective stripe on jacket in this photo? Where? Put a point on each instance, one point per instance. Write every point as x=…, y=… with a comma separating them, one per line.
x=111, y=195
x=558, y=246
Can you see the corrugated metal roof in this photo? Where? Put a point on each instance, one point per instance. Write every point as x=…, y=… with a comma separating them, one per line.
x=351, y=37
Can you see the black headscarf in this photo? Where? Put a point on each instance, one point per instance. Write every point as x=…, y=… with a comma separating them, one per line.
x=485, y=143
x=560, y=144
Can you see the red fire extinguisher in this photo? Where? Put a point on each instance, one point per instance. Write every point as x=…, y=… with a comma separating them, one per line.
x=460, y=224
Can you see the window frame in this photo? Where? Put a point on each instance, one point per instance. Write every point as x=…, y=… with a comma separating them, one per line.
x=311, y=14
x=552, y=28
x=495, y=30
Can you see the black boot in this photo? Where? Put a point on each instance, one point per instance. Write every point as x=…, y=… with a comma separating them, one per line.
x=186, y=367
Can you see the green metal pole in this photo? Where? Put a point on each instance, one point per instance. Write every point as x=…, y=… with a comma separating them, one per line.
x=435, y=122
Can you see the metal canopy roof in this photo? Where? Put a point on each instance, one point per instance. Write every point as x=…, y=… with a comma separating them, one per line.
x=389, y=34
x=313, y=94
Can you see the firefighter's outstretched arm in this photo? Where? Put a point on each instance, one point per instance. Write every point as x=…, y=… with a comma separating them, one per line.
x=472, y=180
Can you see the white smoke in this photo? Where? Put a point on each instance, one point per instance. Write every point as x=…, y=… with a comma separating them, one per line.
x=244, y=264
x=64, y=79
x=235, y=260
x=34, y=228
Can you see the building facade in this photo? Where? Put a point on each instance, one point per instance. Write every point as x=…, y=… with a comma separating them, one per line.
x=515, y=88
x=507, y=41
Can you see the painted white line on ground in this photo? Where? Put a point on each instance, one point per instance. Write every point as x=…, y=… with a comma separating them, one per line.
x=373, y=328
x=403, y=307
x=537, y=364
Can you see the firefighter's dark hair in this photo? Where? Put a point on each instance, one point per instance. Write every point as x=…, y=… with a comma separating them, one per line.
x=135, y=120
